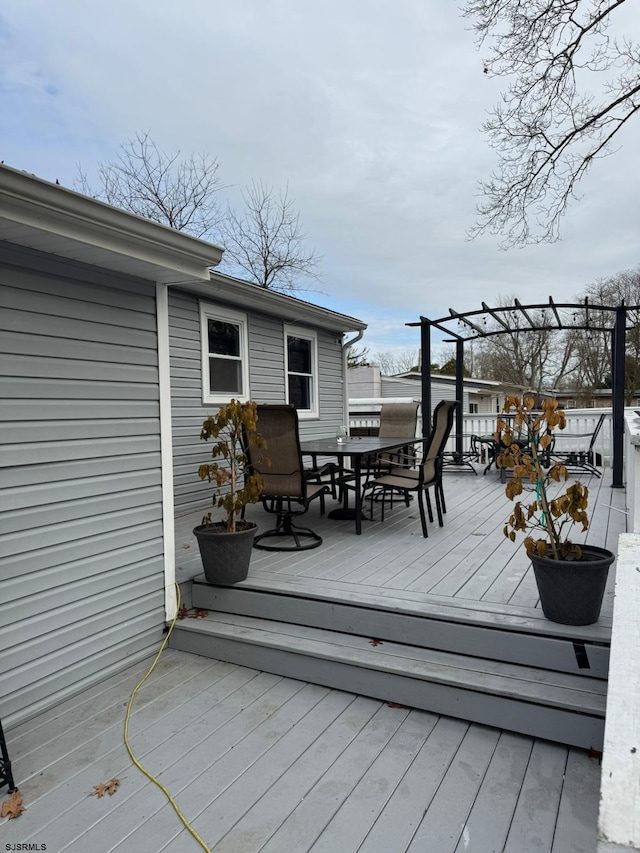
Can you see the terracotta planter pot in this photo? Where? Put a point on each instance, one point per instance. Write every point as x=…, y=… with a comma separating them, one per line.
x=571, y=591
x=225, y=556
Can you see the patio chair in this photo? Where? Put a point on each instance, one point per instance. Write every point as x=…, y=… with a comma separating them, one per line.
x=287, y=491
x=579, y=453
x=6, y=775
x=407, y=481
x=396, y=420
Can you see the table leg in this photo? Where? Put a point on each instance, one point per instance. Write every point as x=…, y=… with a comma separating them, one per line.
x=357, y=468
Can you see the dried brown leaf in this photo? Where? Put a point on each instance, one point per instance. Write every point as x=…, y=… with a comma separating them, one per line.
x=374, y=642
x=13, y=808
x=109, y=787
x=198, y=613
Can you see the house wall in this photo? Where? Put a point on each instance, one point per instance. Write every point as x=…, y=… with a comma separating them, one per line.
x=364, y=382
x=413, y=389
x=267, y=384
x=81, y=549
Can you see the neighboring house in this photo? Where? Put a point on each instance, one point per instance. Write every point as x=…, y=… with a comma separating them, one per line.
x=598, y=398
x=481, y=396
x=110, y=332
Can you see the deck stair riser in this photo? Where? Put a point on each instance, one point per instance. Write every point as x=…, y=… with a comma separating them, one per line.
x=486, y=634
x=447, y=660
x=556, y=706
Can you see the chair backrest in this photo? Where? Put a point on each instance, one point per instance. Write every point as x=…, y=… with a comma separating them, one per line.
x=398, y=419
x=280, y=462
x=440, y=430
x=596, y=430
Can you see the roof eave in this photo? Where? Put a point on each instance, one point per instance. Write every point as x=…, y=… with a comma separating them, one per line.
x=290, y=309
x=48, y=217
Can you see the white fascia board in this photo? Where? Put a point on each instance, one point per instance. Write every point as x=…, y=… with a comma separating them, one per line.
x=289, y=309
x=45, y=216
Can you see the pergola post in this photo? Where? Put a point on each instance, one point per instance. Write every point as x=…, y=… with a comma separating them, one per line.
x=618, y=341
x=425, y=344
x=459, y=397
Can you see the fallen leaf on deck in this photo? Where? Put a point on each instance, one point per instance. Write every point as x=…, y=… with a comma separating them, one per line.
x=375, y=642
x=594, y=753
x=182, y=612
x=396, y=705
x=198, y=613
x=109, y=787
x=13, y=807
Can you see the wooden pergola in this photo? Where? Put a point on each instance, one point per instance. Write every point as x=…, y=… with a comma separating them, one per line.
x=556, y=316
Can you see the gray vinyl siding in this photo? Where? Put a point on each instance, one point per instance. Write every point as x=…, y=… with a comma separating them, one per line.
x=267, y=383
x=81, y=548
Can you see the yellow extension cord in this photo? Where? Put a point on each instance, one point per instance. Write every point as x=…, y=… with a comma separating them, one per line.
x=126, y=732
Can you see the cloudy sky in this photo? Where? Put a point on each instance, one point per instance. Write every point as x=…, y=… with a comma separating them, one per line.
x=369, y=110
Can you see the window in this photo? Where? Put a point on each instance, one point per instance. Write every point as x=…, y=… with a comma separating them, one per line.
x=225, y=355
x=570, y=404
x=301, y=365
x=473, y=408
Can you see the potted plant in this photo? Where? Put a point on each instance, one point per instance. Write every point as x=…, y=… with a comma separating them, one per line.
x=571, y=578
x=225, y=546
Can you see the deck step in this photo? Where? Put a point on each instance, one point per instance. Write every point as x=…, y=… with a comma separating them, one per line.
x=556, y=706
x=521, y=636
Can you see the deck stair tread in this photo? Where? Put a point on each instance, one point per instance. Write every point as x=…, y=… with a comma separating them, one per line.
x=523, y=619
x=527, y=684
x=490, y=634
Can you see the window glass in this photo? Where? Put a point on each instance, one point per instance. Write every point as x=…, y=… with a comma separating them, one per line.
x=302, y=369
x=225, y=376
x=224, y=338
x=299, y=351
x=300, y=391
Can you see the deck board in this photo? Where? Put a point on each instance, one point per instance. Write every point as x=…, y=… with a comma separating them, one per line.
x=263, y=763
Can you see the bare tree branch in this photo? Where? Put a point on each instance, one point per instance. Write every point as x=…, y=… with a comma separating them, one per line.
x=159, y=186
x=550, y=126
x=266, y=241
x=391, y=363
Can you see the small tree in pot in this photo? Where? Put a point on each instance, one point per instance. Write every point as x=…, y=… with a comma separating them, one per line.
x=225, y=546
x=571, y=578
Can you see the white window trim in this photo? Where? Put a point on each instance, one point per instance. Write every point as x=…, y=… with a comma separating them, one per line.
x=226, y=315
x=309, y=335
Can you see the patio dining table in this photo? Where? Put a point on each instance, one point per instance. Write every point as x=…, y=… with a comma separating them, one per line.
x=358, y=449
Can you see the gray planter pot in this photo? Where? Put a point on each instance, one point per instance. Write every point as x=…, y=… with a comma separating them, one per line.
x=571, y=591
x=225, y=556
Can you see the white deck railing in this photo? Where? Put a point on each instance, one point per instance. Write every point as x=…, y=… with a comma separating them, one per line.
x=366, y=413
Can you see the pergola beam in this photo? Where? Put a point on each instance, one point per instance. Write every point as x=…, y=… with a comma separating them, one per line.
x=524, y=313
x=618, y=330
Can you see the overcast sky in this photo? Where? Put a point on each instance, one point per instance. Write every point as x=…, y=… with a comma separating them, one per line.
x=370, y=111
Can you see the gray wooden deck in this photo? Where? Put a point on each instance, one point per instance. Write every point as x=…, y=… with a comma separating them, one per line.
x=259, y=762
x=269, y=762
x=467, y=563
x=449, y=624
